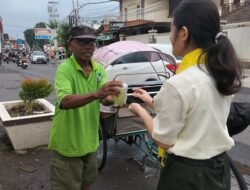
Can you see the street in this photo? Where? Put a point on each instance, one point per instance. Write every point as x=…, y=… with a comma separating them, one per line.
x=122, y=171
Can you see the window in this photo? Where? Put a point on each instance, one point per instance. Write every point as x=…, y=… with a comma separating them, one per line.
x=125, y=14
x=137, y=57
x=142, y=9
x=138, y=12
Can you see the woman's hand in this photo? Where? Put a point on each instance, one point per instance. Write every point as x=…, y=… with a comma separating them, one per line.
x=143, y=95
x=136, y=108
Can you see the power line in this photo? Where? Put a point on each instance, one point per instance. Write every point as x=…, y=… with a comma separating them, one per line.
x=17, y=26
x=102, y=14
x=83, y=5
x=80, y=7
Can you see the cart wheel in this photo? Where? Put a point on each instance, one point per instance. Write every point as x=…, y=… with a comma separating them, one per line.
x=101, y=153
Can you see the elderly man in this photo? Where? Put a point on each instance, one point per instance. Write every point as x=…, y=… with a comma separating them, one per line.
x=80, y=85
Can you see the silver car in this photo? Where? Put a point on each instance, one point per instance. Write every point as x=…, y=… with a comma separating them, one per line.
x=38, y=57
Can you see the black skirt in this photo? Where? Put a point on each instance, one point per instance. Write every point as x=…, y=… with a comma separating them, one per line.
x=180, y=173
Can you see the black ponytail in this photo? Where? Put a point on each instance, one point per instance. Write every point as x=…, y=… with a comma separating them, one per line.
x=201, y=17
x=223, y=64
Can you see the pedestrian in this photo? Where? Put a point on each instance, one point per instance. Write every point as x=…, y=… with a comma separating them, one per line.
x=1, y=58
x=81, y=85
x=192, y=107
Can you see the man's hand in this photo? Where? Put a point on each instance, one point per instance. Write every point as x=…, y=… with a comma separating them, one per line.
x=110, y=88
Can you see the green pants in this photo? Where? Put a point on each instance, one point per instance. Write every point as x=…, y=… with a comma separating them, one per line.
x=180, y=173
x=68, y=173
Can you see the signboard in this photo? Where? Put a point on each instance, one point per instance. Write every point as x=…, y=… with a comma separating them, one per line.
x=5, y=37
x=116, y=25
x=104, y=37
x=43, y=34
x=19, y=41
x=1, y=25
x=43, y=37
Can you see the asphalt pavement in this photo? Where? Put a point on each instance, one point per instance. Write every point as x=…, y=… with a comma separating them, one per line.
x=122, y=170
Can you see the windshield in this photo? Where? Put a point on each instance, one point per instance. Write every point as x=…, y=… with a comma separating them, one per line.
x=38, y=53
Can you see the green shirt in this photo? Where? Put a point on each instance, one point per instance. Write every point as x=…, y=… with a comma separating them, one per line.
x=74, y=132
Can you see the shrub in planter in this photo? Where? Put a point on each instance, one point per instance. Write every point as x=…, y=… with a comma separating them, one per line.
x=31, y=90
x=25, y=125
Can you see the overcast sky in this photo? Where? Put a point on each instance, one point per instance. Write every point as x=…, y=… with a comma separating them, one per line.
x=19, y=15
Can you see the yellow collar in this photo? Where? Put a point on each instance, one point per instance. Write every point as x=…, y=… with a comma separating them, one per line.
x=191, y=59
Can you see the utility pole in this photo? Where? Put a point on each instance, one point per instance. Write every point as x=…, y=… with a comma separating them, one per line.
x=77, y=14
x=1, y=34
x=52, y=10
x=53, y=14
x=74, y=15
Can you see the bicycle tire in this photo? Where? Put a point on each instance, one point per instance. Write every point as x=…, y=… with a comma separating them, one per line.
x=101, y=152
x=240, y=179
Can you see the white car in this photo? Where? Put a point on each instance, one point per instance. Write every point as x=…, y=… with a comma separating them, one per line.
x=134, y=62
x=137, y=67
x=38, y=57
x=166, y=48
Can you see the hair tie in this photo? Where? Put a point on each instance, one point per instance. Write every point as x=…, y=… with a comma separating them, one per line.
x=218, y=35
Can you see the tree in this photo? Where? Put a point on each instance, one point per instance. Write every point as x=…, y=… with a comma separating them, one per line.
x=40, y=43
x=52, y=24
x=29, y=37
x=40, y=25
x=63, y=36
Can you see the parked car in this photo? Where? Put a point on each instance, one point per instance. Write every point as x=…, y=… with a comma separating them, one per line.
x=134, y=62
x=38, y=57
x=166, y=48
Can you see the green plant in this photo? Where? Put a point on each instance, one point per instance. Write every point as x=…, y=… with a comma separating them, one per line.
x=32, y=89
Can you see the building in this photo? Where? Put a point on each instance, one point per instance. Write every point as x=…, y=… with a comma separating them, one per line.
x=149, y=21
x=1, y=34
x=236, y=25
x=143, y=20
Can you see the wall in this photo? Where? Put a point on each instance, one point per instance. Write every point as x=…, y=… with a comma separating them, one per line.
x=153, y=10
x=239, y=35
x=156, y=10
x=162, y=38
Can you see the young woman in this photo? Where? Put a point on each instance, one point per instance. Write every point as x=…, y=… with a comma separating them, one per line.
x=192, y=107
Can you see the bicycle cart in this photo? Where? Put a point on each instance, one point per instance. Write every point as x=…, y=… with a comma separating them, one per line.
x=131, y=61
x=121, y=124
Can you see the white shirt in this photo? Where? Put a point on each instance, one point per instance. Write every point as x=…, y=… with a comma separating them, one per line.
x=191, y=115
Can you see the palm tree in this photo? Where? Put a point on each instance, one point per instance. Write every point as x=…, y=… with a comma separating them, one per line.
x=52, y=24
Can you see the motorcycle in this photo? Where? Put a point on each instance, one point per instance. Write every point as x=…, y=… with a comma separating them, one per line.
x=23, y=63
x=1, y=57
x=6, y=59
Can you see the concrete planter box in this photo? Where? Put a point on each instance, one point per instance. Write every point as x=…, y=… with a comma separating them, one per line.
x=27, y=131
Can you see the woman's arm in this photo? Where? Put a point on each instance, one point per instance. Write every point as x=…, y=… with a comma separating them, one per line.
x=147, y=120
